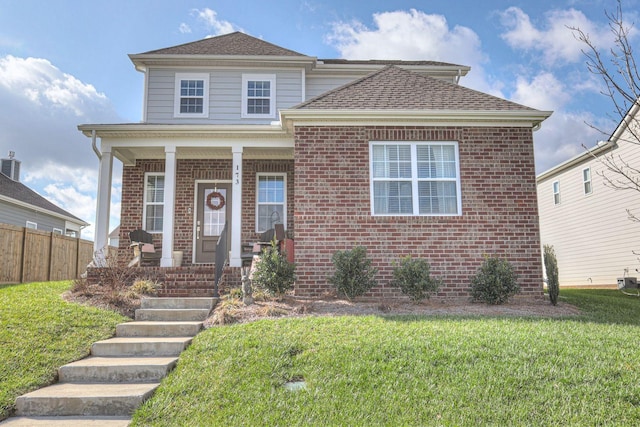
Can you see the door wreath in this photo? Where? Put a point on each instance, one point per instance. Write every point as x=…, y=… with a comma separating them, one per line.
x=212, y=196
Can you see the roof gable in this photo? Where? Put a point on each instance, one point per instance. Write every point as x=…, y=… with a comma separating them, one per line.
x=18, y=191
x=393, y=88
x=232, y=44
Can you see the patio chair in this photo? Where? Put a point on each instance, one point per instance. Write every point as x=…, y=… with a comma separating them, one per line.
x=143, y=248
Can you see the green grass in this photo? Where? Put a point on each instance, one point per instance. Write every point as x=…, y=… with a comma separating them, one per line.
x=40, y=332
x=410, y=370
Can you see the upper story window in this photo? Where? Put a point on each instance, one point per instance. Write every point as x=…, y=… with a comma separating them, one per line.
x=192, y=95
x=32, y=225
x=417, y=178
x=556, y=192
x=259, y=96
x=153, y=202
x=586, y=180
x=271, y=201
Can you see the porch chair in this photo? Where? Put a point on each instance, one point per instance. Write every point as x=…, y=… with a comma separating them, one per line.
x=277, y=233
x=143, y=248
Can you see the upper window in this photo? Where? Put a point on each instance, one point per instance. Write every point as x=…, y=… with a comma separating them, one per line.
x=153, y=202
x=271, y=201
x=418, y=178
x=192, y=95
x=259, y=95
x=57, y=231
x=556, y=193
x=586, y=180
x=32, y=225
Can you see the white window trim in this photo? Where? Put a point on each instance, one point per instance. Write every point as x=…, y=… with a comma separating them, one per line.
x=414, y=177
x=32, y=225
x=556, y=201
x=584, y=182
x=145, y=203
x=205, y=98
x=246, y=78
x=284, y=203
x=57, y=231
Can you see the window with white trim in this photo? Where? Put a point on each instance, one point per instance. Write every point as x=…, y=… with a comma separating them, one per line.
x=586, y=181
x=32, y=225
x=415, y=178
x=271, y=201
x=192, y=95
x=153, y=202
x=556, y=192
x=57, y=231
x=258, y=96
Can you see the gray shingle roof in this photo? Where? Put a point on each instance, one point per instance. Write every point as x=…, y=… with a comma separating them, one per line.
x=20, y=192
x=393, y=88
x=228, y=44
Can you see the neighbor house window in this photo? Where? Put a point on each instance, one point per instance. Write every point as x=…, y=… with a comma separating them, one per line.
x=57, y=231
x=415, y=178
x=192, y=95
x=271, y=201
x=153, y=202
x=586, y=180
x=258, y=95
x=32, y=225
x=556, y=193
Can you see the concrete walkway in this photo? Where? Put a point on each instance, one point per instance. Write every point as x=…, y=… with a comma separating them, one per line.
x=122, y=372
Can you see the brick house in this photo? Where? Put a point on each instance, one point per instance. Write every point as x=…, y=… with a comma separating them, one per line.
x=395, y=156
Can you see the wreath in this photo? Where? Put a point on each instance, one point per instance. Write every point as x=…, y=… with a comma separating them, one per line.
x=215, y=195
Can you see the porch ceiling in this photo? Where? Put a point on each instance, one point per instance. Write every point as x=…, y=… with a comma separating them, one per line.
x=129, y=155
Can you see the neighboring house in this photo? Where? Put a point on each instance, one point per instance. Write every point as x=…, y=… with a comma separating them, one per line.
x=586, y=220
x=391, y=155
x=114, y=237
x=21, y=206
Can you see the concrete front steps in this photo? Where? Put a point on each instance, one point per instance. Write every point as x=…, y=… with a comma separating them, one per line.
x=121, y=373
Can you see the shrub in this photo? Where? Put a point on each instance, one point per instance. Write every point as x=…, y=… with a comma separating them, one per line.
x=354, y=275
x=142, y=287
x=551, y=265
x=495, y=282
x=274, y=273
x=413, y=277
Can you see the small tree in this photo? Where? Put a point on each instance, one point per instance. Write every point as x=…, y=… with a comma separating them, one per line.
x=551, y=266
x=274, y=273
x=495, y=281
x=413, y=277
x=354, y=274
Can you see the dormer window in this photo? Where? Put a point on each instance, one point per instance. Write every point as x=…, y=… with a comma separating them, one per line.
x=192, y=95
x=259, y=96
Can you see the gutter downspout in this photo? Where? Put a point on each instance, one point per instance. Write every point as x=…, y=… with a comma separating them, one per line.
x=93, y=144
x=458, y=76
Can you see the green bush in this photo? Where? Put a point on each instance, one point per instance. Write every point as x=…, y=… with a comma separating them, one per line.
x=354, y=274
x=274, y=273
x=495, y=282
x=413, y=277
x=551, y=265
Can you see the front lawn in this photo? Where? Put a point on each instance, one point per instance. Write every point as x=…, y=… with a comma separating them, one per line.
x=411, y=370
x=39, y=332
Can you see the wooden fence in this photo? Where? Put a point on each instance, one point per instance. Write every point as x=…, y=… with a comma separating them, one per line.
x=28, y=255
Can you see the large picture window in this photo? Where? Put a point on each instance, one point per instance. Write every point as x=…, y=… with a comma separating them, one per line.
x=192, y=95
x=153, y=202
x=259, y=95
x=415, y=178
x=271, y=203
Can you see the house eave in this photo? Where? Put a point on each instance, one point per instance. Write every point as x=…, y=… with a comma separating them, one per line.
x=519, y=118
x=143, y=61
x=42, y=210
x=576, y=160
x=145, y=130
x=349, y=69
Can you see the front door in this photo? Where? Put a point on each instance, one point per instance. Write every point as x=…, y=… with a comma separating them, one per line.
x=213, y=210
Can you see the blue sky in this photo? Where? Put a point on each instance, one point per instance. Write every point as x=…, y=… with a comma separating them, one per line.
x=64, y=62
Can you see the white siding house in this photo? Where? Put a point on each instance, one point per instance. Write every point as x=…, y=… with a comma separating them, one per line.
x=586, y=220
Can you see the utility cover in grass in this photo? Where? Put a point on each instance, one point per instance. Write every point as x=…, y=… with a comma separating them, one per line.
x=295, y=385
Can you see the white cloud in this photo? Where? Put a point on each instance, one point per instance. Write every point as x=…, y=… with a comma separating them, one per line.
x=544, y=92
x=40, y=110
x=210, y=19
x=553, y=41
x=184, y=28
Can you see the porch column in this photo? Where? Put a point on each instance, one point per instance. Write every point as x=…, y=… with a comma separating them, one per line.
x=235, y=254
x=169, y=205
x=103, y=208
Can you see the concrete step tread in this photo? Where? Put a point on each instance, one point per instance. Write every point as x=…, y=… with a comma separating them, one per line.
x=90, y=390
x=193, y=302
x=123, y=361
x=158, y=329
x=145, y=340
x=172, y=314
x=68, y=421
